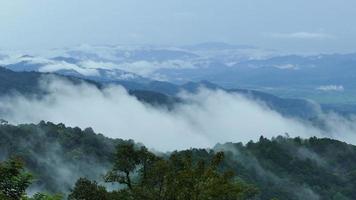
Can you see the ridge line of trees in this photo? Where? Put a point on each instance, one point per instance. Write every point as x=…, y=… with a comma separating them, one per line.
x=138, y=174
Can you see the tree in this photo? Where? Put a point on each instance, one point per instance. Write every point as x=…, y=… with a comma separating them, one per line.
x=146, y=176
x=13, y=179
x=87, y=190
x=41, y=196
x=125, y=163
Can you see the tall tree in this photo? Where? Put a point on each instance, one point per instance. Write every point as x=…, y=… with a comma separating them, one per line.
x=180, y=177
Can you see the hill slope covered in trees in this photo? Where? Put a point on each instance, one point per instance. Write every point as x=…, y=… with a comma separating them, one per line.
x=283, y=168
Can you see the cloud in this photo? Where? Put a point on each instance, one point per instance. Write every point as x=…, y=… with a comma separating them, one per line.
x=206, y=118
x=287, y=66
x=88, y=60
x=149, y=68
x=266, y=176
x=302, y=35
x=326, y=88
x=57, y=66
x=47, y=65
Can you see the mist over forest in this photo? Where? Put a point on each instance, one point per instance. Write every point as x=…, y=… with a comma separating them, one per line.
x=177, y=100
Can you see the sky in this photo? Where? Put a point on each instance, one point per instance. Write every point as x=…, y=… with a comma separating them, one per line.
x=287, y=25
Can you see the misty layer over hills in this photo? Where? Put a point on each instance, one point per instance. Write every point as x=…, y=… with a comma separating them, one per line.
x=167, y=117
x=177, y=100
x=101, y=88
x=202, y=119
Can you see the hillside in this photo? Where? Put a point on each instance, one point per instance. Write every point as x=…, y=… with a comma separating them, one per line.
x=324, y=78
x=157, y=93
x=25, y=82
x=29, y=83
x=283, y=168
x=57, y=155
x=294, y=168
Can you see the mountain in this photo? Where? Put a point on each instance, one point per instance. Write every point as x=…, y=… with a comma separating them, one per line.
x=295, y=168
x=57, y=155
x=290, y=107
x=281, y=168
x=158, y=93
x=134, y=62
x=324, y=78
x=327, y=79
x=71, y=67
x=29, y=84
x=217, y=46
x=128, y=53
x=26, y=83
x=311, y=71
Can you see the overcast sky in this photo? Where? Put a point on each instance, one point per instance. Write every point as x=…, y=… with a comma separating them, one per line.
x=289, y=25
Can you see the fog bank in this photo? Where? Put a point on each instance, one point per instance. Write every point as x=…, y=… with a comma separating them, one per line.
x=206, y=118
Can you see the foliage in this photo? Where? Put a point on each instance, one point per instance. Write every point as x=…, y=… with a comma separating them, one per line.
x=41, y=196
x=84, y=189
x=295, y=168
x=49, y=150
x=13, y=179
x=281, y=167
x=143, y=175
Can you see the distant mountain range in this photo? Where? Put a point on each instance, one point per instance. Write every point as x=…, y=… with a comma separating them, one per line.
x=301, y=71
x=28, y=84
x=134, y=63
x=325, y=78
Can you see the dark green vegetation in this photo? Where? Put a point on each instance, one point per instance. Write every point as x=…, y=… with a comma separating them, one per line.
x=283, y=168
x=14, y=181
x=143, y=175
x=138, y=174
x=56, y=155
x=293, y=168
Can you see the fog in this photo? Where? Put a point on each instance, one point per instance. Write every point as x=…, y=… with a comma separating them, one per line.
x=299, y=191
x=206, y=118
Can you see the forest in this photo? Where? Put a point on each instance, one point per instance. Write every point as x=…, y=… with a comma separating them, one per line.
x=52, y=161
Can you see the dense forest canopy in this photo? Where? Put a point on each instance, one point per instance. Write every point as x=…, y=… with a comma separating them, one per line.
x=285, y=168
x=139, y=174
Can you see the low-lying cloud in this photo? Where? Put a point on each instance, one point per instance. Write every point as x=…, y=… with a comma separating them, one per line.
x=326, y=88
x=205, y=118
x=302, y=35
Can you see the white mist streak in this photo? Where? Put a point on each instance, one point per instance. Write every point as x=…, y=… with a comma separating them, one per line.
x=207, y=118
